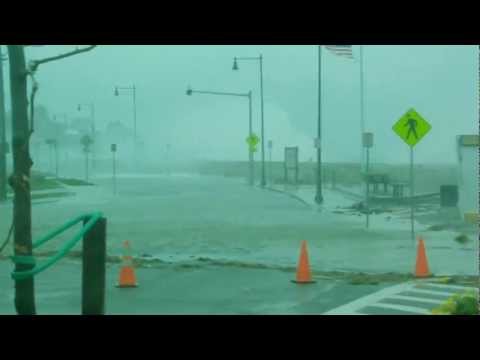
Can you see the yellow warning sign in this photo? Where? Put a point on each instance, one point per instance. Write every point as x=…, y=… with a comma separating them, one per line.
x=253, y=141
x=411, y=127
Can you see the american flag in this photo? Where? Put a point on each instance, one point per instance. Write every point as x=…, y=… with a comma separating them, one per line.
x=341, y=50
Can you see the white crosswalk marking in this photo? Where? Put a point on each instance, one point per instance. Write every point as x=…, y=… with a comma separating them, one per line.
x=450, y=287
x=417, y=297
x=410, y=309
x=431, y=292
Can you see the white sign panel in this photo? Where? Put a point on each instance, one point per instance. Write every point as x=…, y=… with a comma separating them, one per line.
x=291, y=157
x=367, y=140
x=467, y=165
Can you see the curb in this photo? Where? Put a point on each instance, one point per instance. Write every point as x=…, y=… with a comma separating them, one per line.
x=293, y=196
x=356, y=196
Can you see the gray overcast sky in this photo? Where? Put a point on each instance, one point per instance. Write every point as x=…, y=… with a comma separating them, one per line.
x=440, y=82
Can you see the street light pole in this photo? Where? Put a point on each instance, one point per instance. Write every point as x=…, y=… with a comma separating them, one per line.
x=3, y=137
x=167, y=159
x=319, y=196
x=362, y=107
x=50, y=156
x=250, y=132
x=133, y=90
x=264, y=182
x=270, y=148
x=92, y=116
x=54, y=147
x=135, y=116
x=113, y=148
x=250, y=126
x=56, y=140
x=235, y=67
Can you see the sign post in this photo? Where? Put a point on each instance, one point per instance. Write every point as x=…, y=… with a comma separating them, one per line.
x=167, y=158
x=270, y=147
x=291, y=162
x=411, y=128
x=367, y=144
x=252, y=141
x=86, y=141
x=318, y=144
x=113, y=149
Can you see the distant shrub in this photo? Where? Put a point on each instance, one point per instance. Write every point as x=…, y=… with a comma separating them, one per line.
x=462, y=239
x=74, y=182
x=459, y=304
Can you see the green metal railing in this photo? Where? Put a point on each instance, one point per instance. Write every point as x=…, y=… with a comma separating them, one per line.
x=93, y=233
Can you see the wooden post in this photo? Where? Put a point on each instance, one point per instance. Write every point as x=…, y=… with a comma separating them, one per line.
x=93, y=269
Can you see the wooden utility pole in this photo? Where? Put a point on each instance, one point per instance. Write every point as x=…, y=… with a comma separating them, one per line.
x=20, y=180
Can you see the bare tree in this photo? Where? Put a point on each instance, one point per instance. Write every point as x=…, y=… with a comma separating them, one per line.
x=22, y=163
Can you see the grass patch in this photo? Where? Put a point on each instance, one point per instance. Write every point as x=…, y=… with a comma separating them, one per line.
x=376, y=279
x=74, y=182
x=472, y=281
x=40, y=181
x=51, y=195
x=437, y=227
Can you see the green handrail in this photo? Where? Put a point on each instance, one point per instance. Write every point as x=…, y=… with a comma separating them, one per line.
x=38, y=268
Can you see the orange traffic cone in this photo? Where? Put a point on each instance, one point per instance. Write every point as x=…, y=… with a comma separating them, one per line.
x=421, y=266
x=304, y=275
x=127, y=278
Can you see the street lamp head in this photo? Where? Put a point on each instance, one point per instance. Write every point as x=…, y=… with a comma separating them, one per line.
x=235, y=64
x=189, y=91
x=116, y=91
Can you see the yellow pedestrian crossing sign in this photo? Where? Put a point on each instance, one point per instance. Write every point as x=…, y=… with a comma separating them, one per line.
x=411, y=127
x=252, y=142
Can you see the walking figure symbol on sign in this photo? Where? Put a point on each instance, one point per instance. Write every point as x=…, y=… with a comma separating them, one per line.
x=412, y=127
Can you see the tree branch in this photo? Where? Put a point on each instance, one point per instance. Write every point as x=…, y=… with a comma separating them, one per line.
x=32, y=104
x=34, y=64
